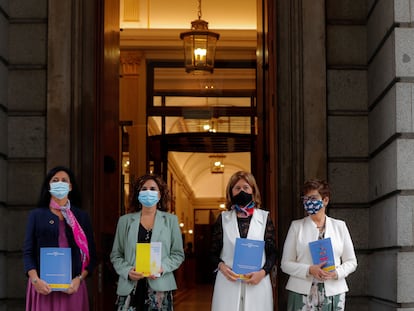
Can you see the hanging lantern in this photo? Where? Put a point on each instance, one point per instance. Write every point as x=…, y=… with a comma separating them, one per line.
x=199, y=46
x=217, y=163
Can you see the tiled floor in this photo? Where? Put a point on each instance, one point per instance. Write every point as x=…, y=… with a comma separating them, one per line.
x=195, y=299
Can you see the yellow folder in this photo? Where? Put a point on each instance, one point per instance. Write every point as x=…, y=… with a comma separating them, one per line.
x=148, y=258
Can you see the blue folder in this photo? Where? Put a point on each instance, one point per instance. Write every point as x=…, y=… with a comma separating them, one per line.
x=56, y=267
x=248, y=256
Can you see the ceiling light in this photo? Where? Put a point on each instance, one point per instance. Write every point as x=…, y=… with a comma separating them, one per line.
x=199, y=46
x=217, y=163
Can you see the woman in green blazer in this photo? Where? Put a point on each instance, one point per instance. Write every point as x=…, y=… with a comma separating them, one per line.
x=148, y=222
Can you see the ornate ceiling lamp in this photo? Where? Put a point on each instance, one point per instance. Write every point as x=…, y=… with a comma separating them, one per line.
x=199, y=46
x=217, y=163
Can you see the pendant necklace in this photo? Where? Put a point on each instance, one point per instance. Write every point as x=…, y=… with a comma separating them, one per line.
x=147, y=237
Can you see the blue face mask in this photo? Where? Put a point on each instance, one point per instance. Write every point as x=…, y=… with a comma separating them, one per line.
x=59, y=189
x=312, y=206
x=148, y=198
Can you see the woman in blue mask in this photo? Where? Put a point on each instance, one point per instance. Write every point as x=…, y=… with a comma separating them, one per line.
x=148, y=221
x=313, y=285
x=58, y=222
x=243, y=219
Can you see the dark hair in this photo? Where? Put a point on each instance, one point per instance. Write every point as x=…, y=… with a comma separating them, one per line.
x=250, y=180
x=162, y=205
x=320, y=185
x=74, y=195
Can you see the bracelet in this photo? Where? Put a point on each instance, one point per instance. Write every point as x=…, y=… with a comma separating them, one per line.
x=80, y=277
x=34, y=281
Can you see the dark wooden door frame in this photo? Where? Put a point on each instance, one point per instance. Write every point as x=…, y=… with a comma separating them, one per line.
x=107, y=137
x=107, y=179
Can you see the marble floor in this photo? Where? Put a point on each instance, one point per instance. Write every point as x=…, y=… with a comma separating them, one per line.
x=197, y=298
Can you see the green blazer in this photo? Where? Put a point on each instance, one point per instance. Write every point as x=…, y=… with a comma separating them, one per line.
x=165, y=230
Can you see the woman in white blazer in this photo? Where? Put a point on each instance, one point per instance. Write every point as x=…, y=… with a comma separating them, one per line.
x=243, y=219
x=310, y=286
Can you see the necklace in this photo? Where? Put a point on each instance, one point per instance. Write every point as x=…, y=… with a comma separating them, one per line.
x=319, y=222
x=148, y=235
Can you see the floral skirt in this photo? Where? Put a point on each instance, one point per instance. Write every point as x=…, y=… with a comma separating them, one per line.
x=316, y=300
x=144, y=298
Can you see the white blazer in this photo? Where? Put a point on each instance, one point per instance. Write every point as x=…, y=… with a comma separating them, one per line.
x=296, y=258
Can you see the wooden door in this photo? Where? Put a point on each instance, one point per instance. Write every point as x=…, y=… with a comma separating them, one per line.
x=107, y=140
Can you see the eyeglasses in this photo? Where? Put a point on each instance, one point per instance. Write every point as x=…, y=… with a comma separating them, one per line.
x=311, y=198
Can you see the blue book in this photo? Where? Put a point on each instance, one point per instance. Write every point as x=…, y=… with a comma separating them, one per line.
x=321, y=251
x=248, y=256
x=56, y=267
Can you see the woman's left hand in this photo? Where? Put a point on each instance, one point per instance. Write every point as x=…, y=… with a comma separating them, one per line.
x=331, y=275
x=254, y=278
x=74, y=286
x=153, y=277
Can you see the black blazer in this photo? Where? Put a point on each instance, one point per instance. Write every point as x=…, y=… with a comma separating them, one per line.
x=42, y=230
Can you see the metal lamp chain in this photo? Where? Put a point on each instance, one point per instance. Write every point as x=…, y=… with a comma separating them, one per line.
x=199, y=9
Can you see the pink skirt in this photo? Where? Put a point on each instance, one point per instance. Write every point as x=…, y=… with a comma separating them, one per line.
x=57, y=301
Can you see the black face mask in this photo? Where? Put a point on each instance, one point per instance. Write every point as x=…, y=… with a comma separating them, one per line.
x=242, y=198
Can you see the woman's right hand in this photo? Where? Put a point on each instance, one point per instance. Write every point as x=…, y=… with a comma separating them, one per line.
x=228, y=272
x=42, y=287
x=135, y=276
x=317, y=272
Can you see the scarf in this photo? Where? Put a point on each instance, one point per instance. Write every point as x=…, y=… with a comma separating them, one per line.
x=246, y=211
x=78, y=233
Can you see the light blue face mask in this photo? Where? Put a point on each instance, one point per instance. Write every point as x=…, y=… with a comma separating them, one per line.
x=148, y=198
x=312, y=206
x=59, y=189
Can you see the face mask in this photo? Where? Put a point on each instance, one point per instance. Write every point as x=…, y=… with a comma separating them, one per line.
x=148, y=198
x=59, y=189
x=242, y=198
x=312, y=206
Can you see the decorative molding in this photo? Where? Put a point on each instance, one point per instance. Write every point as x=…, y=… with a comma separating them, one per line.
x=130, y=12
x=130, y=62
x=170, y=39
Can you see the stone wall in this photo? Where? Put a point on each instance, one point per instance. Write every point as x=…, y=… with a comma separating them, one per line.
x=348, y=157
x=390, y=53
x=370, y=141
x=22, y=133
x=4, y=59
x=370, y=52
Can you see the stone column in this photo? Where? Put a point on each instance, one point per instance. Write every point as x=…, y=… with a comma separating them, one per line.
x=4, y=61
x=25, y=134
x=391, y=146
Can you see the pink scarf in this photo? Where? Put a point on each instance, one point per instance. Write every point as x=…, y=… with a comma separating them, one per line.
x=78, y=233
